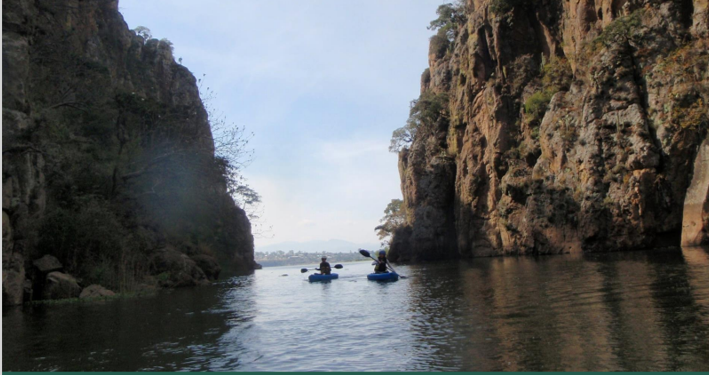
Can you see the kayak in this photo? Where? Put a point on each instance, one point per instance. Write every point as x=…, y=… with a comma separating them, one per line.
x=318, y=277
x=386, y=276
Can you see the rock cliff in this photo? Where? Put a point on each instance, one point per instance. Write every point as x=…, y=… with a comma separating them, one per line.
x=108, y=156
x=568, y=126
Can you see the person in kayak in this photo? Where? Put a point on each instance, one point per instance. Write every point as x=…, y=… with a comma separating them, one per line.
x=381, y=266
x=325, y=266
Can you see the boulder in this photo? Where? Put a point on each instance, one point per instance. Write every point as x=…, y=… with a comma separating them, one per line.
x=95, y=290
x=13, y=279
x=47, y=264
x=174, y=269
x=208, y=264
x=60, y=285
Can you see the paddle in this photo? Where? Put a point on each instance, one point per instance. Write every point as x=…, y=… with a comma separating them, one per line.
x=304, y=270
x=367, y=254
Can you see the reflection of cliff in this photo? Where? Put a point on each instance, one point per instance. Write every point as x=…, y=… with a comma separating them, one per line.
x=568, y=126
x=634, y=311
x=108, y=157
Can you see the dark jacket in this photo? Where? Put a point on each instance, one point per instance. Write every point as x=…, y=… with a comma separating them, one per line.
x=381, y=266
x=325, y=268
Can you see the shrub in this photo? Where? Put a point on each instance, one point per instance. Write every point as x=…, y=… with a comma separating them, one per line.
x=556, y=76
x=503, y=6
x=536, y=105
x=449, y=17
x=438, y=46
x=619, y=30
x=425, y=113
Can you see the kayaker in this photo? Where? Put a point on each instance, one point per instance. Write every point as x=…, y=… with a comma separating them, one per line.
x=324, y=266
x=381, y=266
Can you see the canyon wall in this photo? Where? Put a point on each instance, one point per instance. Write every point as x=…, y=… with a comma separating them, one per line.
x=569, y=126
x=108, y=158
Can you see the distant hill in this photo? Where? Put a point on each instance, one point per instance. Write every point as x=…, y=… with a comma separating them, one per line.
x=332, y=246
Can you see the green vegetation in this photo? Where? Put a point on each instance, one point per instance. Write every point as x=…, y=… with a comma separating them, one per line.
x=394, y=218
x=555, y=76
x=620, y=30
x=450, y=16
x=536, y=105
x=503, y=6
x=424, y=114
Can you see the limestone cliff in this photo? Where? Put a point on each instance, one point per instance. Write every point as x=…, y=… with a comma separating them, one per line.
x=569, y=126
x=108, y=156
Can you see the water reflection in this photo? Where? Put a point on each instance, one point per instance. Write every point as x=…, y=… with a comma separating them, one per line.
x=640, y=311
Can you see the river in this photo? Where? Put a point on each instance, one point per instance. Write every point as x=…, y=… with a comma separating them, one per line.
x=634, y=311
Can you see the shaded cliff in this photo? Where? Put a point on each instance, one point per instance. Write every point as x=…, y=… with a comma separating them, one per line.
x=108, y=157
x=569, y=126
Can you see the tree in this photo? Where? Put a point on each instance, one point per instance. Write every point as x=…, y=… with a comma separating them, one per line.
x=449, y=17
x=231, y=149
x=143, y=32
x=394, y=217
x=424, y=113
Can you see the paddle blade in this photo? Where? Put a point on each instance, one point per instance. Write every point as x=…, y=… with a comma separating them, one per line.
x=365, y=253
x=338, y=266
x=303, y=270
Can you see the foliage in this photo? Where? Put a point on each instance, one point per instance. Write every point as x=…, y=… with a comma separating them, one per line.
x=557, y=73
x=394, y=217
x=556, y=76
x=536, y=105
x=143, y=32
x=166, y=43
x=449, y=17
x=231, y=148
x=503, y=6
x=424, y=113
x=620, y=30
x=438, y=46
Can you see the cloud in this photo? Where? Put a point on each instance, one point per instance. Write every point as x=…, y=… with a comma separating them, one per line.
x=321, y=83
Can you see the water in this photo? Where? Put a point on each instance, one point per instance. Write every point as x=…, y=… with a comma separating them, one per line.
x=636, y=311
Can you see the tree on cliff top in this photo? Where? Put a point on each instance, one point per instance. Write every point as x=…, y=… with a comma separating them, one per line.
x=449, y=17
x=394, y=217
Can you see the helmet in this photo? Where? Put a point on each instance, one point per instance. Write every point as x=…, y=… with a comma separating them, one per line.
x=382, y=253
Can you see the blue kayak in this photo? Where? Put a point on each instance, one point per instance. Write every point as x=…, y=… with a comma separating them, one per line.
x=318, y=277
x=385, y=276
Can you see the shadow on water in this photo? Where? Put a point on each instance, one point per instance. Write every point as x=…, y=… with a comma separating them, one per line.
x=172, y=330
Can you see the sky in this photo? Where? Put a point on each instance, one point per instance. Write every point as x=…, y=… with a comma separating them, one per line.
x=321, y=84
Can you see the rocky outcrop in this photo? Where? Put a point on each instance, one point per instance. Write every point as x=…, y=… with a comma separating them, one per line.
x=47, y=264
x=208, y=264
x=59, y=285
x=13, y=279
x=96, y=291
x=174, y=269
x=107, y=149
x=695, y=228
x=570, y=126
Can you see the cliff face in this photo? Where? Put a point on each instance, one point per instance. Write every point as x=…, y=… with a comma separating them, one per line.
x=108, y=157
x=570, y=126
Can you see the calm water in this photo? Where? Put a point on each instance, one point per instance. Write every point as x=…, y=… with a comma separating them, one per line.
x=624, y=311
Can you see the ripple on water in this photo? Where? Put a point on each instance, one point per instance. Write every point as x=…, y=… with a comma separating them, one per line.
x=632, y=311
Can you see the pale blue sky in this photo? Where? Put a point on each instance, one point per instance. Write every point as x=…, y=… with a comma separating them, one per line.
x=322, y=84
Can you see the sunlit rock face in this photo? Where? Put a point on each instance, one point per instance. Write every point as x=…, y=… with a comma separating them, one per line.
x=571, y=126
x=99, y=121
